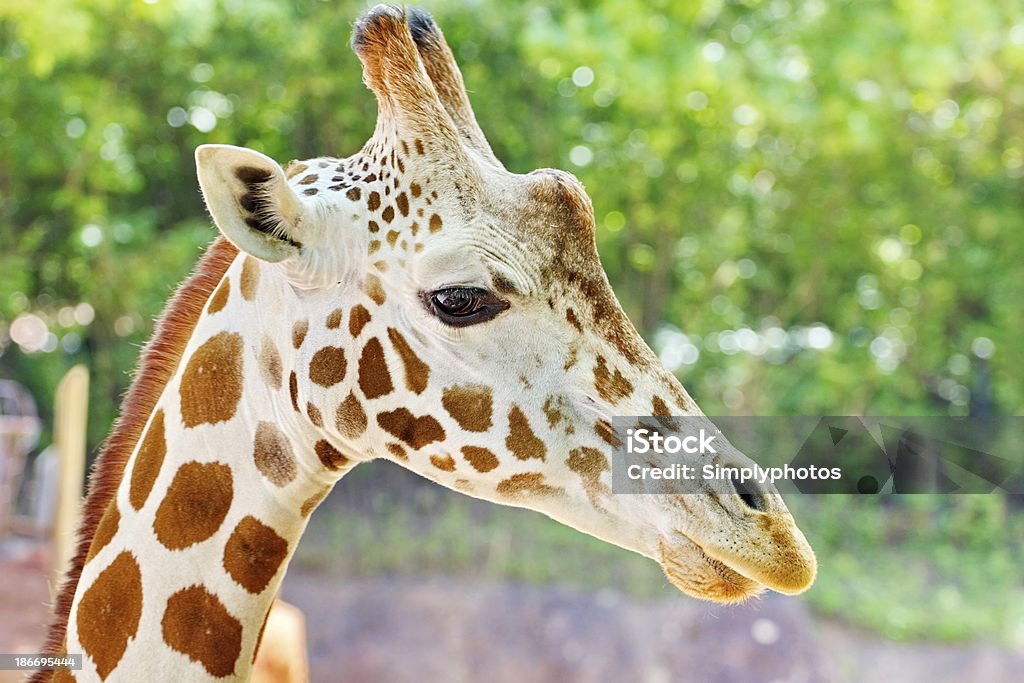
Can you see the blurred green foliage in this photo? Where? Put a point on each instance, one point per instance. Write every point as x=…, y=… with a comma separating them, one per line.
x=916, y=567
x=807, y=207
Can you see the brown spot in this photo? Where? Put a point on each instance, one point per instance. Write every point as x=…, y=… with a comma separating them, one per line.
x=250, y=278
x=221, y=296
x=211, y=386
x=273, y=455
x=59, y=676
x=570, y=315
x=109, y=612
x=392, y=237
x=374, y=289
x=328, y=366
x=381, y=266
x=481, y=459
x=555, y=409
x=388, y=214
x=354, y=194
x=334, y=319
x=374, y=378
x=299, y=331
x=198, y=625
x=470, y=404
x=309, y=192
x=662, y=413
x=589, y=463
x=105, y=530
x=330, y=456
x=253, y=554
x=660, y=407
x=313, y=501
x=570, y=359
x=415, y=431
x=527, y=484
x=435, y=223
x=309, y=180
x=418, y=144
x=605, y=430
x=358, y=317
x=415, y=189
x=270, y=363
x=611, y=386
x=373, y=201
x=521, y=440
x=443, y=462
x=396, y=450
x=350, y=418
x=373, y=248
x=684, y=402
x=195, y=506
x=293, y=390
x=314, y=415
x=148, y=461
x=416, y=371
x=402, y=202
x=373, y=226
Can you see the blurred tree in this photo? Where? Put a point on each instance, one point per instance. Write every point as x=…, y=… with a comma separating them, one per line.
x=807, y=207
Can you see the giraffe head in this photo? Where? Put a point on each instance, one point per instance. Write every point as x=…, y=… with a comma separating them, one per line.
x=452, y=316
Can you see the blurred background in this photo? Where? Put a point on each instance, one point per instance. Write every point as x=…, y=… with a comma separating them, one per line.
x=806, y=208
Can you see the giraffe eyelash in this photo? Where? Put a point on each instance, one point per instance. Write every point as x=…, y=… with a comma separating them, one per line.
x=463, y=306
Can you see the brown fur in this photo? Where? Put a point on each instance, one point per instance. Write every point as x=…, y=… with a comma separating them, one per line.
x=110, y=612
x=198, y=625
x=350, y=418
x=482, y=459
x=416, y=371
x=471, y=405
x=253, y=554
x=521, y=439
x=159, y=362
x=211, y=385
x=328, y=366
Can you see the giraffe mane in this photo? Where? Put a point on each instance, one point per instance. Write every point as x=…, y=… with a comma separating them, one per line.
x=158, y=363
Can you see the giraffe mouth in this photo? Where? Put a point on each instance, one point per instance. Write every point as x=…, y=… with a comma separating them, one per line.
x=769, y=552
x=699, y=575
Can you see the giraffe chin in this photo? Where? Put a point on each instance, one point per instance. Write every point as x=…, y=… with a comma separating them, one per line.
x=689, y=569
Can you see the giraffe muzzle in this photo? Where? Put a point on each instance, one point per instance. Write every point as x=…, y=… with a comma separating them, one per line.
x=746, y=551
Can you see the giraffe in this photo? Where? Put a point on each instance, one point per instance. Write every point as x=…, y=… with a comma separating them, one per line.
x=415, y=302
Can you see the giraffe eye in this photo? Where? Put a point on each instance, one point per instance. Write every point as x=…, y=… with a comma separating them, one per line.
x=463, y=306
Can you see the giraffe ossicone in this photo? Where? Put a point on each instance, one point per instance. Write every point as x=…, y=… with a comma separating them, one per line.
x=417, y=302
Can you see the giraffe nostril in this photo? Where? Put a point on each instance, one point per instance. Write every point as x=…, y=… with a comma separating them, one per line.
x=748, y=495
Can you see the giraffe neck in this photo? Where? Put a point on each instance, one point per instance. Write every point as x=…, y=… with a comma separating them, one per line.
x=189, y=555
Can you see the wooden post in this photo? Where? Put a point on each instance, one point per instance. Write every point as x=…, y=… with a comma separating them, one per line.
x=70, y=413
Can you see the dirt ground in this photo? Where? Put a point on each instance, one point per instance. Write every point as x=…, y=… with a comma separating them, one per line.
x=382, y=630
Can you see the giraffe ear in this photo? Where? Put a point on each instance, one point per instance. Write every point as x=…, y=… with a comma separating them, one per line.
x=250, y=201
